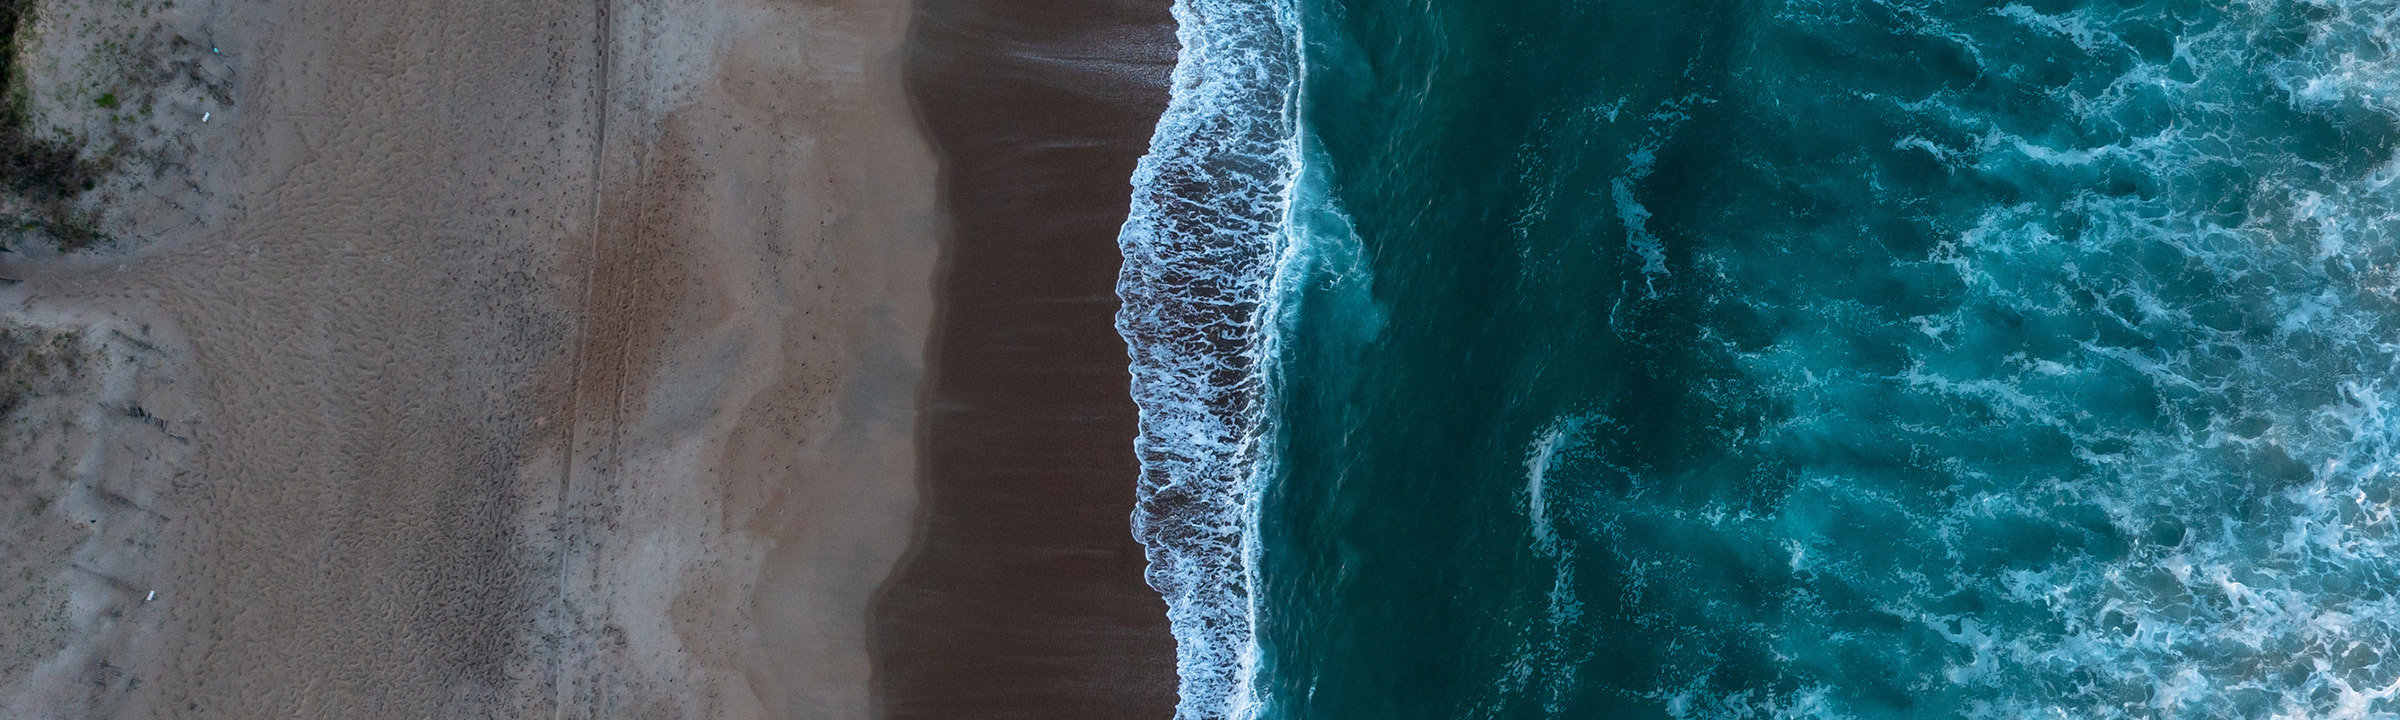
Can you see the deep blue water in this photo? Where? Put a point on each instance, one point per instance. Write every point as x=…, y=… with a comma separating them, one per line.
x=1840, y=359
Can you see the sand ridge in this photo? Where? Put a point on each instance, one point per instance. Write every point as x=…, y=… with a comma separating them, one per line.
x=519, y=388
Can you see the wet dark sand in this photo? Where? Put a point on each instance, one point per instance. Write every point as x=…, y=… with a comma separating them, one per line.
x=1022, y=596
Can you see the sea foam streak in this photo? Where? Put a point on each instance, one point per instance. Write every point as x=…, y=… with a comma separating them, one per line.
x=1202, y=244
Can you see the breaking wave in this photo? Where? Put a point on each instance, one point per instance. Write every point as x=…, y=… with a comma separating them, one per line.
x=1207, y=232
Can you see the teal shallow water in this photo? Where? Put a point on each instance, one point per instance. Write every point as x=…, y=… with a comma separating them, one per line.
x=1794, y=359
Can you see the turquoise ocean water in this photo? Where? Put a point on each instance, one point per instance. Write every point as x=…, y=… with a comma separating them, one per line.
x=1808, y=359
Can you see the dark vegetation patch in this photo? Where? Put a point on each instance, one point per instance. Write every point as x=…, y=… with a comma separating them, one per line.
x=42, y=174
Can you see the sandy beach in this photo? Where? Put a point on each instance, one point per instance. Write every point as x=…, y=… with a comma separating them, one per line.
x=481, y=360
x=1024, y=596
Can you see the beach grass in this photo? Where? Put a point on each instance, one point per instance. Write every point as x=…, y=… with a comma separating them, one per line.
x=42, y=173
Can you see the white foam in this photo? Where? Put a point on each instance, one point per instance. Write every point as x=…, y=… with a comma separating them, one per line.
x=1204, y=243
x=1565, y=611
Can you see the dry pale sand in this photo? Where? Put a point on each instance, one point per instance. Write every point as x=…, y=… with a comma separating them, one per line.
x=547, y=359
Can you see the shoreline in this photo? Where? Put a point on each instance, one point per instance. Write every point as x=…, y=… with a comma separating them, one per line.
x=738, y=359
x=1022, y=595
